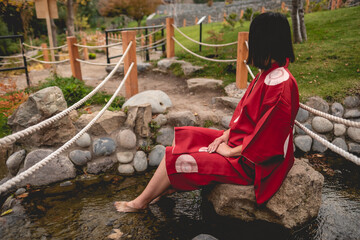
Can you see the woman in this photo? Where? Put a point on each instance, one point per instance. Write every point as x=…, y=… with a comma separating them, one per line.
x=257, y=148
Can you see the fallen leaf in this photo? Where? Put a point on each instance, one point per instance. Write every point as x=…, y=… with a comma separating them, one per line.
x=41, y=208
x=6, y=212
x=117, y=235
x=24, y=195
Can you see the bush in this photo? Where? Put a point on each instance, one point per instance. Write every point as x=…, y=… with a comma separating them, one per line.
x=92, y=55
x=7, y=46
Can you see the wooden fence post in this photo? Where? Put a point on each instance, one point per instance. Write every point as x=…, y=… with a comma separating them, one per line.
x=196, y=20
x=46, y=55
x=131, y=84
x=170, y=44
x=333, y=4
x=209, y=19
x=241, y=13
x=224, y=19
x=307, y=6
x=184, y=22
x=242, y=53
x=85, y=50
x=73, y=55
x=262, y=9
x=150, y=42
x=338, y=5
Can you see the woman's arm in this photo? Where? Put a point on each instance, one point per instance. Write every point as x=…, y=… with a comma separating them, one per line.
x=227, y=151
x=215, y=144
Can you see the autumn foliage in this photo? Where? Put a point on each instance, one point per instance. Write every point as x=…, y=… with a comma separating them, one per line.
x=10, y=98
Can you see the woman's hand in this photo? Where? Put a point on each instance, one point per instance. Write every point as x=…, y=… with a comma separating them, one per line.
x=224, y=150
x=215, y=144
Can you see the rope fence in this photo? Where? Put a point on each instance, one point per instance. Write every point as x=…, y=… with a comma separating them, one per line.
x=47, y=62
x=96, y=64
x=100, y=46
x=40, y=48
x=152, y=33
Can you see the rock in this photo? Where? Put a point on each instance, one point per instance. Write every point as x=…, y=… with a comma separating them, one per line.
x=160, y=119
x=352, y=113
x=339, y=129
x=106, y=124
x=74, y=115
x=79, y=157
x=203, y=84
x=124, y=157
x=141, y=67
x=303, y=142
x=156, y=155
x=340, y=143
x=144, y=142
x=302, y=115
x=319, y=147
x=166, y=136
x=20, y=191
x=302, y=132
x=204, y=237
x=337, y=109
x=126, y=169
x=232, y=91
x=159, y=100
x=104, y=146
x=351, y=101
x=139, y=117
x=84, y=141
x=354, y=148
x=354, y=134
x=58, y=169
x=225, y=121
x=126, y=139
x=230, y=102
x=208, y=116
x=100, y=165
x=140, y=161
x=297, y=201
x=183, y=118
x=14, y=161
x=165, y=63
x=322, y=125
x=188, y=68
x=318, y=103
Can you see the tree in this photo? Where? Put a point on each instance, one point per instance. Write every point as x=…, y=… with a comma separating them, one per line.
x=297, y=17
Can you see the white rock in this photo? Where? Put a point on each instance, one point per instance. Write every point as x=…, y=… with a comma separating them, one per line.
x=339, y=129
x=352, y=113
x=126, y=139
x=124, y=157
x=140, y=161
x=322, y=125
x=84, y=141
x=126, y=169
x=354, y=134
x=201, y=84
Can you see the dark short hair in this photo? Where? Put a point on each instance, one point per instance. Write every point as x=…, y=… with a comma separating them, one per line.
x=270, y=38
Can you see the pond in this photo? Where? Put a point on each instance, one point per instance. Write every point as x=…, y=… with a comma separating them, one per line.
x=87, y=212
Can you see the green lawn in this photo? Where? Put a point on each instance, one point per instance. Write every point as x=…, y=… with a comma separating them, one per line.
x=327, y=65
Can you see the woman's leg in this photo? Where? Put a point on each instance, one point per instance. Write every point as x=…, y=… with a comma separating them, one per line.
x=158, y=184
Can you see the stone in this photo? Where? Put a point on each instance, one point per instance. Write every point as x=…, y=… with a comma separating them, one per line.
x=182, y=118
x=139, y=117
x=58, y=169
x=302, y=132
x=14, y=161
x=233, y=91
x=322, y=125
x=105, y=125
x=160, y=119
x=302, y=115
x=99, y=165
x=79, y=157
x=141, y=67
x=352, y=113
x=126, y=169
x=337, y=109
x=339, y=142
x=104, y=146
x=319, y=147
x=20, y=191
x=354, y=134
x=203, y=84
x=318, y=103
x=354, y=148
x=297, y=201
x=230, y=102
x=188, y=68
x=144, y=142
x=84, y=141
x=124, y=157
x=351, y=101
x=204, y=237
x=158, y=100
x=225, y=121
x=208, y=116
x=126, y=139
x=165, y=63
x=156, y=155
x=165, y=136
x=339, y=129
x=303, y=142
x=140, y=161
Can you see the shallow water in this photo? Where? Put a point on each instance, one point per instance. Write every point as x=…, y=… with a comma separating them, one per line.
x=88, y=213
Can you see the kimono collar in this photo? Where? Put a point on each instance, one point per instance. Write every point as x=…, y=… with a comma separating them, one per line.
x=276, y=65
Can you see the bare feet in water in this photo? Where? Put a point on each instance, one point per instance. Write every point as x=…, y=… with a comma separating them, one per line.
x=127, y=207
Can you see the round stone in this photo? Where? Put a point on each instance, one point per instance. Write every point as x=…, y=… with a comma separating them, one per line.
x=322, y=125
x=20, y=191
x=84, y=141
x=126, y=139
x=339, y=142
x=354, y=148
x=339, y=129
x=124, y=157
x=14, y=161
x=156, y=155
x=354, y=134
x=303, y=142
x=160, y=119
x=140, y=161
x=319, y=147
x=166, y=136
x=352, y=113
x=126, y=169
x=104, y=146
x=318, y=103
x=79, y=157
x=225, y=121
x=302, y=132
x=337, y=109
x=351, y=101
x=302, y=115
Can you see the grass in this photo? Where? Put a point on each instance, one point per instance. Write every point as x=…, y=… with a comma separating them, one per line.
x=327, y=65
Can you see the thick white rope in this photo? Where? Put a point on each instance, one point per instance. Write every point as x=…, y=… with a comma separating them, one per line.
x=205, y=58
x=10, y=183
x=40, y=48
x=10, y=57
x=100, y=46
x=204, y=44
x=331, y=146
x=13, y=137
x=10, y=63
x=151, y=45
x=249, y=70
x=96, y=64
x=150, y=33
x=48, y=62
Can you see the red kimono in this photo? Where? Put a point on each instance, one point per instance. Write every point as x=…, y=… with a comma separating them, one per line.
x=262, y=123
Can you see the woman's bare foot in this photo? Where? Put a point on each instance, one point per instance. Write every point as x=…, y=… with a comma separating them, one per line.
x=167, y=192
x=127, y=207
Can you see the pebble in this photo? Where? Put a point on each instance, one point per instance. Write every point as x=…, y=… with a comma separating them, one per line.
x=339, y=142
x=339, y=129
x=104, y=146
x=337, y=109
x=84, y=141
x=352, y=113
x=79, y=157
x=20, y=191
x=351, y=101
x=354, y=133
x=124, y=157
x=160, y=119
x=354, y=148
x=319, y=147
x=126, y=169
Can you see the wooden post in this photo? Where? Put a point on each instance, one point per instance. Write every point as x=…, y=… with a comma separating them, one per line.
x=209, y=19
x=131, y=83
x=184, y=22
x=307, y=4
x=283, y=6
x=150, y=43
x=339, y=2
x=333, y=4
x=241, y=13
x=262, y=9
x=49, y=30
x=170, y=44
x=242, y=53
x=142, y=40
x=46, y=55
x=196, y=20
x=73, y=55
x=224, y=20
x=85, y=50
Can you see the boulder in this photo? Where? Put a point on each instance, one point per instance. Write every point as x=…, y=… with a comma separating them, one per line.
x=318, y=103
x=165, y=136
x=233, y=91
x=203, y=84
x=158, y=100
x=183, y=118
x=100, y=165
x=160, y=119
x=124, y=157
x=230, y=102
x=188, y=68
x=339, y=142
x=354, y=134
x=140, y=161
x=58, y=169
x=339, y=129
x=84, y=141
x=14, y=161
x=322, y=125
x=139, y=117
x=165, y=63
x=352, y=113
x=126, y=139
x=104, y=146
x=303, y=142
x=351, y=101
x=156, y=155
x=297, y=201
x=208, y=116
x=337, y=109
x=302, y=115
x=106, y=124
x=79, y=157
